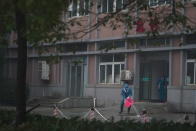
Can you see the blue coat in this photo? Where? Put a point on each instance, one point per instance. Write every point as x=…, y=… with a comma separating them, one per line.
x=126, y=91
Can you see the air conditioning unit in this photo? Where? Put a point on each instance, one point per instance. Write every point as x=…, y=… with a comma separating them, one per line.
x=45, y=70
x=126, y=75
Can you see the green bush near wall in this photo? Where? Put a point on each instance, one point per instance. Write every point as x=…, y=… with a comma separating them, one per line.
x=44, y=123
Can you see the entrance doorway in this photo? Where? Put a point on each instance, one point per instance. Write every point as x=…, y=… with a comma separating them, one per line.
x=76, y=80
x=152, y=70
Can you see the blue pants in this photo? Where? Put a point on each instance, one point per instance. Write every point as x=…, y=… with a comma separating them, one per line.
x=162, y=94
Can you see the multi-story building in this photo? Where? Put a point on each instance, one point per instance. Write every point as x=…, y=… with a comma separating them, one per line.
x=92, y=70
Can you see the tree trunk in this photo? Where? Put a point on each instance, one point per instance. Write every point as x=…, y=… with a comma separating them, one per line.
x=21, y=65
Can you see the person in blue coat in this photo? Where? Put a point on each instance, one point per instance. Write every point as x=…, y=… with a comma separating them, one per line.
x=162, y=88
x=126, y=91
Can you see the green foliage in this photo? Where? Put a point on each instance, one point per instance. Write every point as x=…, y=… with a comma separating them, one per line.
x=45, y=123
x=43, y=23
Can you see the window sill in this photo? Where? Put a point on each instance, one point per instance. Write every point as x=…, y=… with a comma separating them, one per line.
x=185, y=87
x=77, y=17
x=160, y=5
x=190, y=85
x=108, y=85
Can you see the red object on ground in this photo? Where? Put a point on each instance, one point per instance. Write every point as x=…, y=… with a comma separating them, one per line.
x=128, y=102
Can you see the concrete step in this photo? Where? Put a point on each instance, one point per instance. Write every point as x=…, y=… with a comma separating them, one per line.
x=43, y=101
x=76, y=102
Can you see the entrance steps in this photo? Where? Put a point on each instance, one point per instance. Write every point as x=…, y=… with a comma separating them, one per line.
x=69, y=102
x=76, y=102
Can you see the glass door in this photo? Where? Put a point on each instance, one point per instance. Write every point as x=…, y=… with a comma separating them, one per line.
x=75, y=82
x=145, y=81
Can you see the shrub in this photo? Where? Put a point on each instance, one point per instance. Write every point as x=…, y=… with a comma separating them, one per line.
x=46, y=123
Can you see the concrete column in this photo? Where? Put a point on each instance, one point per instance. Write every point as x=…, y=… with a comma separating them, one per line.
x=176, y=69
x=130, y=61
x=174, y=92
x=91, y=66
x=136, y=69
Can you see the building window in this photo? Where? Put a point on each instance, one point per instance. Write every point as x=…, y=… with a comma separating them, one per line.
x=159, y=2
x=74, y=47
x=110, y=68
x=190, y=39
x=78, y=8
x=111, y=45
x=119, y=4
x=153, y=42
x=158, y=42
x=190, y=0
x=107, y=6
x=191, y=68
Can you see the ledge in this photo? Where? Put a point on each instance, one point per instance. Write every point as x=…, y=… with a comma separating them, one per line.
x=187, y=87
x=110, y=86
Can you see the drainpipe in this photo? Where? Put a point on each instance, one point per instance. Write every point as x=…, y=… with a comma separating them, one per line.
x=181, y=80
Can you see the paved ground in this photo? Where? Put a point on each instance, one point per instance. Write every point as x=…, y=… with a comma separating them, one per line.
x=155, y=110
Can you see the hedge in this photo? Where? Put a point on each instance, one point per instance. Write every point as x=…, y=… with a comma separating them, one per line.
x=46, y=123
